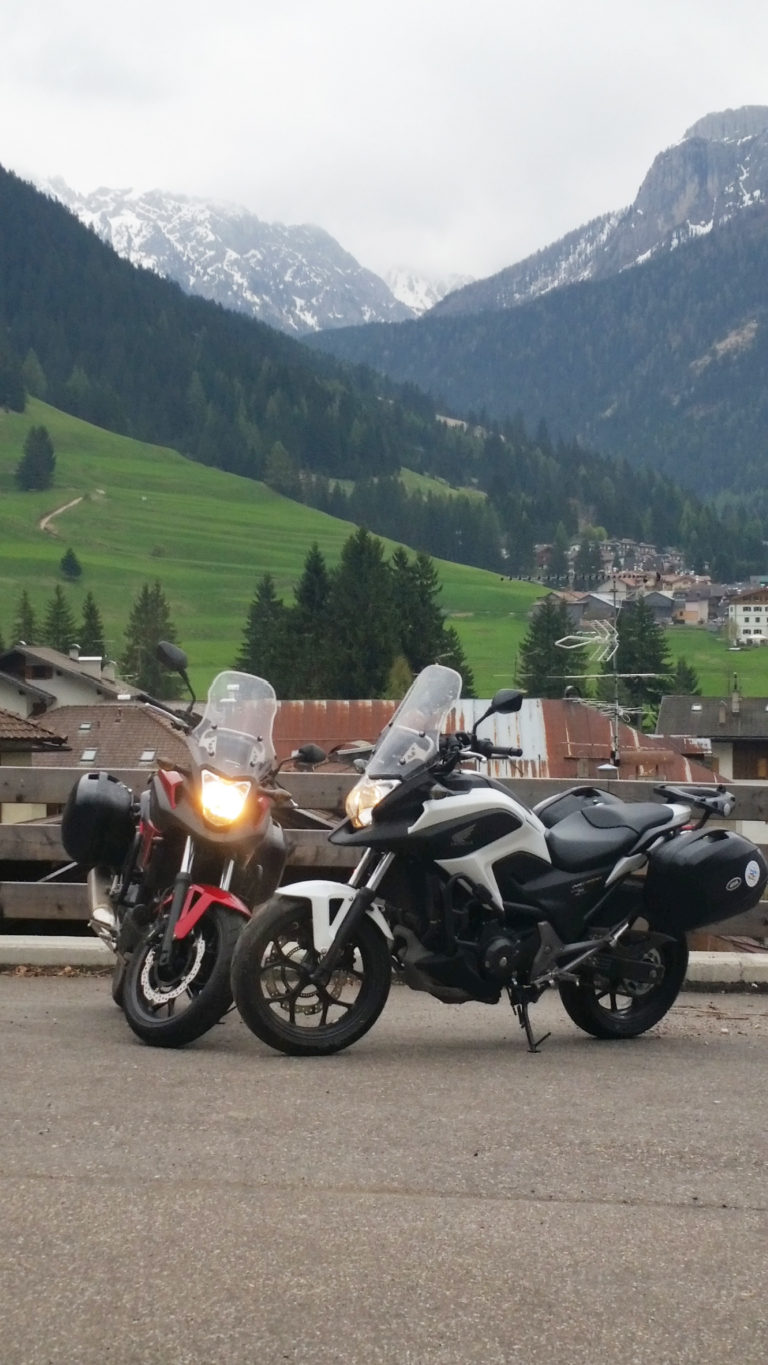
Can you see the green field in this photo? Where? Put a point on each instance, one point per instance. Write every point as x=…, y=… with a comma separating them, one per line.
x=147, y=513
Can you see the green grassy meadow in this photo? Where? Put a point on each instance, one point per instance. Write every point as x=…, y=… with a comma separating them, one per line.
x=148, y=513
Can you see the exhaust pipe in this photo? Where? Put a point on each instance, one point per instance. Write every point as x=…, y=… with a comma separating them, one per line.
x=103, y=920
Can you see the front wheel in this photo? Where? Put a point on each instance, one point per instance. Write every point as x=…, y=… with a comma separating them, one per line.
x=609, y=1003
x=277, y=998
x=174, y=1005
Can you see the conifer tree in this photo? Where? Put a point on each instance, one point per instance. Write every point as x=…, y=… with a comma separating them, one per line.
x=307, y=642
x=92, y=628
x=70, y=565
x=685, y=681
x=36, y=467
x=25, y=627
x=362, y=626
x=642, y=658
x=264, y=650
x=59, y=631
x=543, y=664
x=149, y=622
x=33, y=375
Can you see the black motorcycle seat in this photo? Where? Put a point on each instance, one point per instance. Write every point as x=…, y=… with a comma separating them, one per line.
x=599, y=833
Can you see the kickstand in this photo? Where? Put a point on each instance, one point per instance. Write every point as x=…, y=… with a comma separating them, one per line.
x=521, y=1010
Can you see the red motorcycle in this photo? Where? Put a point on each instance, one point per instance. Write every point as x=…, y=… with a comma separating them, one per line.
x=174, y=874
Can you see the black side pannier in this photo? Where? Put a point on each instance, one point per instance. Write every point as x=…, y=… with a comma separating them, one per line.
x=97, y=824
x=701, y=877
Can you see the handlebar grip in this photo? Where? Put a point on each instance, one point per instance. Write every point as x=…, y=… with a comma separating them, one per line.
x=507, y=753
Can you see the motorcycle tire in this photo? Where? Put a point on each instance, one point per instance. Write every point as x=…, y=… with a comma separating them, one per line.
x=632, y=1007
x=118, y=979
x=282, y=1006
x=175, y=1008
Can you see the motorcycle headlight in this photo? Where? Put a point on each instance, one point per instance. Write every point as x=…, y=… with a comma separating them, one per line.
x=223, y=800
x=364, y=797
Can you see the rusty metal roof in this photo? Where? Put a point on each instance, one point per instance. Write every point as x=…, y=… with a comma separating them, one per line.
x=563, y=739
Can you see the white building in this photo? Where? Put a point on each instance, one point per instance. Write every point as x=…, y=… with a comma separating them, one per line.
x=748, y=617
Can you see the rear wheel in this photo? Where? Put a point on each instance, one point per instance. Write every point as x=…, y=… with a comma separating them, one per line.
x=172, y=1006
x=276, y=996
x=612, y=1004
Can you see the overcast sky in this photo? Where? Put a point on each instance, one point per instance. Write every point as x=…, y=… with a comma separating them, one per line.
x=443, y=136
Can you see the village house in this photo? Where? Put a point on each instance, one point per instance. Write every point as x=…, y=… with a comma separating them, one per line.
x=748, y=617
x=21, y=741
x=35, y=679
x=735, y=726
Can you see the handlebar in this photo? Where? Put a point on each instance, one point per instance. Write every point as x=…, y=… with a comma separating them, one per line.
x=483, y=748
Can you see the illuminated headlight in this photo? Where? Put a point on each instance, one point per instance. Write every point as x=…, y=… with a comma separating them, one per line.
x=223, y=801
x=364, y=796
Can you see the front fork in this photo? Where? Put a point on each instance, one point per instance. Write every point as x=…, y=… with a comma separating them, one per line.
x=360, y=903
x=181, y=886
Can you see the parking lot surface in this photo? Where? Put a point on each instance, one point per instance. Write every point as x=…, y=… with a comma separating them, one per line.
x=434, y=1195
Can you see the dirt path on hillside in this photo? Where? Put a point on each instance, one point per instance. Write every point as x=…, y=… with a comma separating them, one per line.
x=44, y=523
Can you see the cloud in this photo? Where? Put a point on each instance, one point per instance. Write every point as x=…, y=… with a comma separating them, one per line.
x=426, y=133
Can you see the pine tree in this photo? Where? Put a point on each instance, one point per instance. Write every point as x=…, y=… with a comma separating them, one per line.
x=91, y=629
x=25, y=627
x=685, y=682
x=642, y=659
x=36, y=467
x=264, y=650
x=34, y=375
x=543, y=664
x=59, y=630
x=362, y=625
x=308, y=630
x=416, y=588
x=12, y=394
x=149, y=622
x=70, y=565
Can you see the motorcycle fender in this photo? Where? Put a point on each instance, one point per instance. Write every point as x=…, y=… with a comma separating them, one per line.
x=201, y=898
x=320, y=895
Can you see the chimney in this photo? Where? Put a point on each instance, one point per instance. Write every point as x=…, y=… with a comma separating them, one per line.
x=735, y=696
x=74, y=651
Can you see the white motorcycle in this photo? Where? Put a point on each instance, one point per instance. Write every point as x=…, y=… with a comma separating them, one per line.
x=468, y=894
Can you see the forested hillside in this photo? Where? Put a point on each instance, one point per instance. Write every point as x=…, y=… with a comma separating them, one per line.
x=124, y=349
x=664, y=364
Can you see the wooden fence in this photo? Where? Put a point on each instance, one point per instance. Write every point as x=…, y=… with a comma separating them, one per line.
x=35, y=845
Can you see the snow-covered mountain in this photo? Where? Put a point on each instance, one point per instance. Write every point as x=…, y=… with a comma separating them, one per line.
x=718, y=169
x=296, y=278
x=420, y=293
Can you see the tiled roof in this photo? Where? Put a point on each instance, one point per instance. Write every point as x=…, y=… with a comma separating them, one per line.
x=21, y=733
x=116, y=735
x=715, y=717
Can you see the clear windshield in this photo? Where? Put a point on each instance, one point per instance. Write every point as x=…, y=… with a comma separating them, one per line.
x=412, y=736
x=235, y=733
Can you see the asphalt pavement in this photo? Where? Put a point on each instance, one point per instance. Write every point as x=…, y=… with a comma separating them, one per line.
x=435, y=1195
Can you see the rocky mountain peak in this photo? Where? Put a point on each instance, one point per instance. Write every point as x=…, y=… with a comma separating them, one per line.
x=718, y=170
x=731, y=125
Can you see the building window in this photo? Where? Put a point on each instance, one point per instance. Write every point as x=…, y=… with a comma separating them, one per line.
x=147, y=755
x=88, y=755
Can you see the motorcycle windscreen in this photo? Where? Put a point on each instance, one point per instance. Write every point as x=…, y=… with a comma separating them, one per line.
x=412, y=736
x=235, y=733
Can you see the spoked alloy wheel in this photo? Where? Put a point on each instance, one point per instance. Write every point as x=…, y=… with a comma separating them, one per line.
x=610, y=1005
x=173, y=1006
x=283, y=1006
